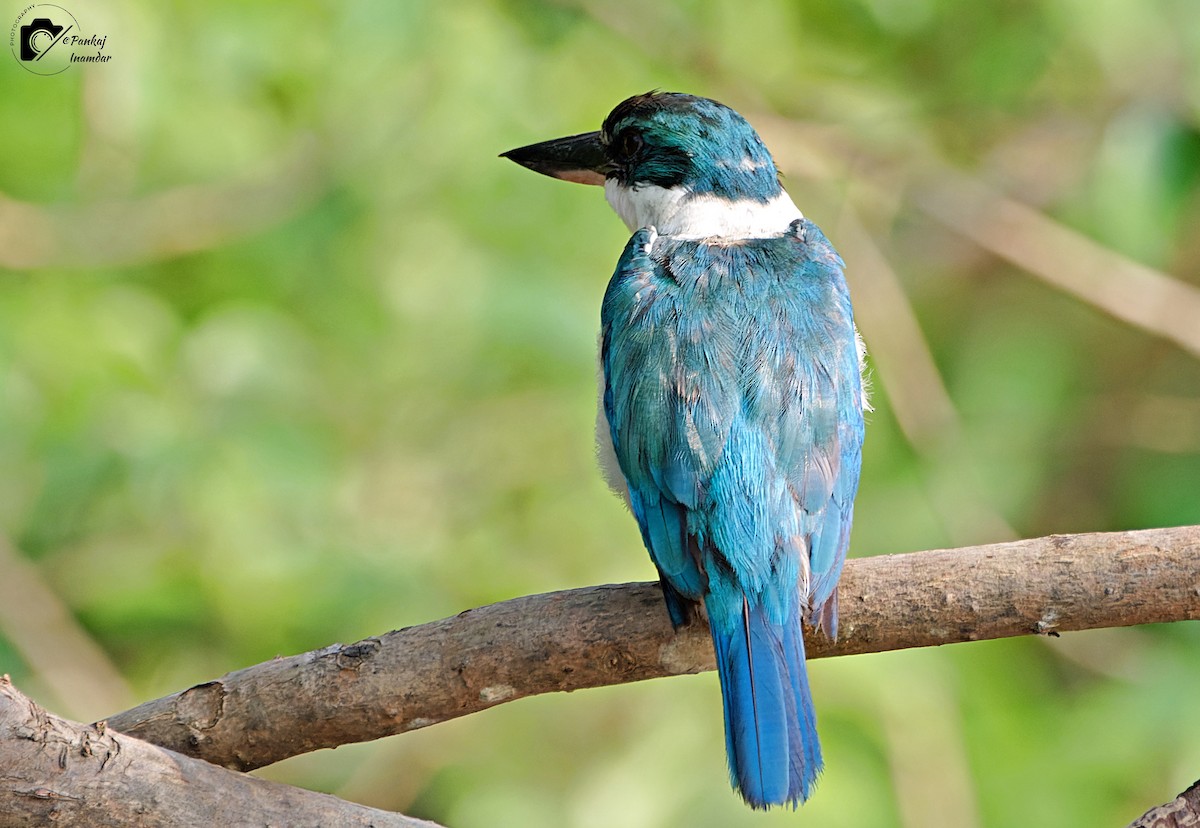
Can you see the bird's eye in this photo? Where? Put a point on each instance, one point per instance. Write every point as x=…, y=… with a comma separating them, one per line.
x=628, y=144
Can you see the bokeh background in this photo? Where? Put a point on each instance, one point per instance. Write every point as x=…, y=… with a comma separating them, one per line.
x=289, y=357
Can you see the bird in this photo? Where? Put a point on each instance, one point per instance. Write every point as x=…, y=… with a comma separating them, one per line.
x=733, y=404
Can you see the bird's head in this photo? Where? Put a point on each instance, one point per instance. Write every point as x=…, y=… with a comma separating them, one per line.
x=661, y=157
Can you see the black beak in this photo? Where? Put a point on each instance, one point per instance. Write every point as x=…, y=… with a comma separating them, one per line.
x=580, y=158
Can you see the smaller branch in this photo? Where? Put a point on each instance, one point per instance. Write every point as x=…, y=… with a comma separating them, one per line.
x=914, y=388
x=607, y=635
x=162, y=225
x=81, y=679
x=61, y=772
x=1181, y=812
x=1070, y=261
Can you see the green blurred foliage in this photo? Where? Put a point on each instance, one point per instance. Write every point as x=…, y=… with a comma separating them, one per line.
x=369, y=401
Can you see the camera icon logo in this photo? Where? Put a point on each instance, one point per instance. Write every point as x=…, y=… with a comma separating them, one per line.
x=40, y=39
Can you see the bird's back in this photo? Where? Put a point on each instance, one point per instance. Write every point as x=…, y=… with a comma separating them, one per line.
x=734, y=398
x=733, y=392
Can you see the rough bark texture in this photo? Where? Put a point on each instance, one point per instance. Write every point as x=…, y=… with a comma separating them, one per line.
x=1181, y=812
x=604, y=635
x=59, y=772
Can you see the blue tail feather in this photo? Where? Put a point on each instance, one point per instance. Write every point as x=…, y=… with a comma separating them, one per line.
x=770, y=726
x=806, y=750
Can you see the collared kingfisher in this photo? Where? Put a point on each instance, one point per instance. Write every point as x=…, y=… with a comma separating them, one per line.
x=733, y=403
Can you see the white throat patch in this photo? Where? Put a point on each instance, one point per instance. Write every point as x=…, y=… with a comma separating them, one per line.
x=679, y=213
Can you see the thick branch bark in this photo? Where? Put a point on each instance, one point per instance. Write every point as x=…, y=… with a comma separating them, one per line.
x=604, y=635
x=60, y=772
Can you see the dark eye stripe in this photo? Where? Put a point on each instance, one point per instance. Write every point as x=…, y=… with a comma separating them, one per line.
x=629, y=144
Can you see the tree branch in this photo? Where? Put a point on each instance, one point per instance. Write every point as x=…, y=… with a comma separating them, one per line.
x=59, y=771
x=606, y=635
